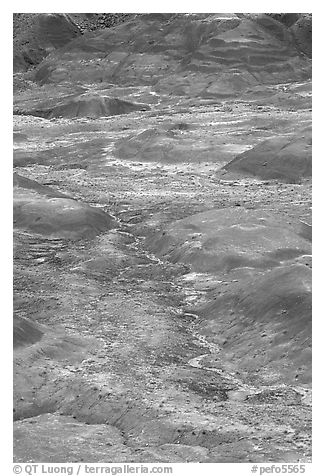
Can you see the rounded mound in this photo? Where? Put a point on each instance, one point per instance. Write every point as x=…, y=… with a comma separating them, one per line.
x=265, y=323
x=280, y=157
x=61, y=218
x=88, y=105
x=20, y=182
x=171, y=145
x=222, y=240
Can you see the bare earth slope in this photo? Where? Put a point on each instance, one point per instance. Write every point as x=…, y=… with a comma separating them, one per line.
x=162, y=240
x=36, y=35
x=281, y=157
x=263, y=315
x=215, y=55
